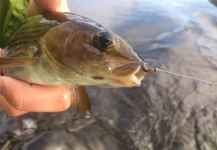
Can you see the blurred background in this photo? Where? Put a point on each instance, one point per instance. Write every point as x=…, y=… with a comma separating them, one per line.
x=167, y=112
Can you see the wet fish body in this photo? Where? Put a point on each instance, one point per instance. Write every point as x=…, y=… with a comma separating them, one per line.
x=65, y=48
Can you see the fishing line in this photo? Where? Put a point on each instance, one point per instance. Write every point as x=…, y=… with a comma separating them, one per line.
x=160, y=70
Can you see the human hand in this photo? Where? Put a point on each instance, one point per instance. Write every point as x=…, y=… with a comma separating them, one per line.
x=18, y=97
x=41, y=6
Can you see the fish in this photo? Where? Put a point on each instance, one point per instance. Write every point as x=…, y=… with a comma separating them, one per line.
x=69, y=49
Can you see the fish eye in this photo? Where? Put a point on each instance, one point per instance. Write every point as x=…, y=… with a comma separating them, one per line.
x=103, y=40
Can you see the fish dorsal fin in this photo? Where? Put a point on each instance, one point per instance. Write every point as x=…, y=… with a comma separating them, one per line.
x=10, y=62
x=81, y=100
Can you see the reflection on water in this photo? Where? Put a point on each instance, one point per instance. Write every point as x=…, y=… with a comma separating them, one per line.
x=145, y=21
x=166, y=112
x=136, y=21
x=114, y=13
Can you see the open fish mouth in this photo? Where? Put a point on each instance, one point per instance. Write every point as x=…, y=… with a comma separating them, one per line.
x=131, y=74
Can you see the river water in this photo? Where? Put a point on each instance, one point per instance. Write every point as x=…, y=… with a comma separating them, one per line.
x=167, y=112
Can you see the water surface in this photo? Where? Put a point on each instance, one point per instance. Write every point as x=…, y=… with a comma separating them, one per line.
x=166, y=112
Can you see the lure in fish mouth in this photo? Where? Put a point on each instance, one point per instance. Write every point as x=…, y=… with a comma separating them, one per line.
x=131, y=74
x=65, y=48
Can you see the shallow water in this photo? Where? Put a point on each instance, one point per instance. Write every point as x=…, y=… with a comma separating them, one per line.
x=144, y=21
x=166, y=112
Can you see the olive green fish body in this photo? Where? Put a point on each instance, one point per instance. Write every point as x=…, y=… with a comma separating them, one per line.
x=27, y=42
x=65, y=48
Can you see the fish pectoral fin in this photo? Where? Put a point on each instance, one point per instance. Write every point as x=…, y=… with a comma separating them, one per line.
x=9, y=62
x=81, y=100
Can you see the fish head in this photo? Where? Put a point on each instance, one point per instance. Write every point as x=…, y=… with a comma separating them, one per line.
x=96, y=54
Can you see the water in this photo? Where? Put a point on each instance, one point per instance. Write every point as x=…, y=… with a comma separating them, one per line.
x=145, y=21
x=166, y=112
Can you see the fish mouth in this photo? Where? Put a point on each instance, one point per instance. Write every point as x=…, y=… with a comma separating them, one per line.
x=131, y=74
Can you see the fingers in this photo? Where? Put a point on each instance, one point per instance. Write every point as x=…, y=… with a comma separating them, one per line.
x=18, y=97
x=25, y=97
x=54, y=5
x=40, y=6
x=11, y=111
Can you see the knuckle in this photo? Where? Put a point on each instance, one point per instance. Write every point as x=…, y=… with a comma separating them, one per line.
x=64, y=102
x=17, y=102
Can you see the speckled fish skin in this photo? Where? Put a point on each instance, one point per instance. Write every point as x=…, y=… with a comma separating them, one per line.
x=65, y=48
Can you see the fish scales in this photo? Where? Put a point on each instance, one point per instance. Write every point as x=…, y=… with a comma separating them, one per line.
x=69, y=49
x=26, y=40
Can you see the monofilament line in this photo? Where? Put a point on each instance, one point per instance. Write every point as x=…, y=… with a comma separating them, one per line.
x=210, y=82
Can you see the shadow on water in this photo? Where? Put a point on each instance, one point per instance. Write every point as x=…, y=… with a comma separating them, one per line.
x=166, y=112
